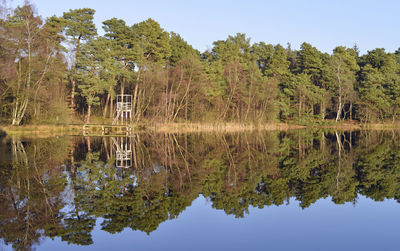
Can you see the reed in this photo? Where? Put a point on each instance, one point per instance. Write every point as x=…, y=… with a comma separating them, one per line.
x=217, y=127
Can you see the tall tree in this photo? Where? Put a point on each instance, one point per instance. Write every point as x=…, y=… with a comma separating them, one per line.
x=311, y=62
x=79, y=28
x=153, y=48
x=124, y=52
x=95, y=71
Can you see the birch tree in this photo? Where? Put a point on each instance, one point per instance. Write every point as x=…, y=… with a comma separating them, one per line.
x=344, y=66
x=31, y=51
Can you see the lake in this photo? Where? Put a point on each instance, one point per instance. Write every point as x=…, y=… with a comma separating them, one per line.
x=271, y=190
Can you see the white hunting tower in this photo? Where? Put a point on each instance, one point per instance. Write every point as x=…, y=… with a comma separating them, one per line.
x=123, y=115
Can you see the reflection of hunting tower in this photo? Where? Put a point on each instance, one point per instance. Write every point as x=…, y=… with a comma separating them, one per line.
x=122, y=147
x=123, y=115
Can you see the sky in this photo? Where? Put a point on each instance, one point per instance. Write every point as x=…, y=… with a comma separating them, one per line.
x=323, y=23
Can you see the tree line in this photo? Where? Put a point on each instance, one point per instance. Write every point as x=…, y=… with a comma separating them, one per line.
x=48, y=191
x=58, y=68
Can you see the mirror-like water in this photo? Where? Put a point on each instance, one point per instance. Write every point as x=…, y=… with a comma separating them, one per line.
x=304, y=190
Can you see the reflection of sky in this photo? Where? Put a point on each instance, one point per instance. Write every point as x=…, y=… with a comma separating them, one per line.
x=369, y=225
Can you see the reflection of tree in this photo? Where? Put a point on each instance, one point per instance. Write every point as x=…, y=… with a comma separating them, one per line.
x=77, y=224
x=77, y=229
x=233, y=171
x=157, y=189
x=238, y=164
x=378, y=168
x=30, y=192
x=344, y=187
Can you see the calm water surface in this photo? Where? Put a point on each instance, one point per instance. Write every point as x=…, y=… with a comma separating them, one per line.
x=296, y=190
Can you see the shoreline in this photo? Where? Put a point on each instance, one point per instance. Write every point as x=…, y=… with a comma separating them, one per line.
x=76, y=129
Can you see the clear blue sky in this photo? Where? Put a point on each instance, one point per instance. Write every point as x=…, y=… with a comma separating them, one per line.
x=323, y=23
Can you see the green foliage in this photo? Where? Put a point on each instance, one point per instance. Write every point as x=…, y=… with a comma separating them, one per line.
x=95, y=71
x=180, y=49
x=79, y=24
x=379, y=85
x=153, y=42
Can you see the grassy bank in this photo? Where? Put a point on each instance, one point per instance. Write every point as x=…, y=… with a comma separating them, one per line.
x=76, y=129
x=42, y=130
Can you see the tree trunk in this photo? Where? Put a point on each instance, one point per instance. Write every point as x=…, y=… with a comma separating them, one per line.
x=19, y=112
x=72, y=106
x=135, y=95
x=351, y=111
x=186, y=108
x=106, y=105
x=15, y=110
x=88, y=114
x=339, y=108
x=122, y=87
x=111, y=107
x=300, y=106
x=73, y=82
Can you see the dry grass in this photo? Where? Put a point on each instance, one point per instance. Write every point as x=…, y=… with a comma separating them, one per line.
x=217, y=127
x=43, y=130
x=76, y=129
x=343, y=126
x=350, y=126
x=380, y=126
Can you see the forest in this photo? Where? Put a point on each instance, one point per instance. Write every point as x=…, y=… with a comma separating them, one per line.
x=60, y=71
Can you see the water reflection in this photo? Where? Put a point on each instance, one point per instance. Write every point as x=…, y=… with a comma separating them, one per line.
x=122, y=147
x=59, y=187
